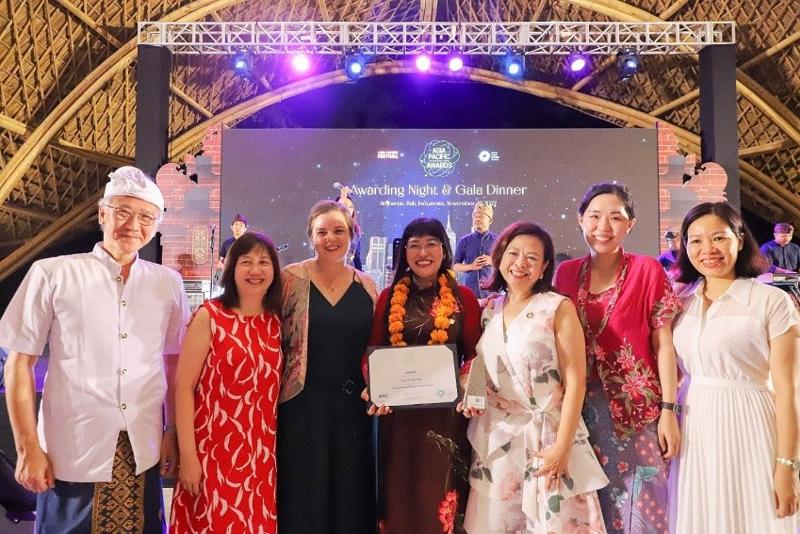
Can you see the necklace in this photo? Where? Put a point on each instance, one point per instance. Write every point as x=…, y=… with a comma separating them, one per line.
x=328, y=283
x=443, y=312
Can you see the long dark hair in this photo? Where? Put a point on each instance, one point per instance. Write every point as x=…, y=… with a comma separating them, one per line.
x=497, y=282
x=749, y=262
x=608, y=188
x=248, y=242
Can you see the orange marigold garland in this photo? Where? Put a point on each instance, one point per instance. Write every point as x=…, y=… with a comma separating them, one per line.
x=443, y=312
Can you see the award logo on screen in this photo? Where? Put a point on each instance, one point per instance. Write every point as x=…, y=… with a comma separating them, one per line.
x=439, y=158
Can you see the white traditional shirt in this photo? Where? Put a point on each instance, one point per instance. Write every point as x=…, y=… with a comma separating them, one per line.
x=106, y=370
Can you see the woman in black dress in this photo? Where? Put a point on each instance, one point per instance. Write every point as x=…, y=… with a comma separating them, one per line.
x=325, y=459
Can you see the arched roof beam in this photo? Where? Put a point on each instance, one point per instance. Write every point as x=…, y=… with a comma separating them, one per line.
x=66, y=109
x=781, y=116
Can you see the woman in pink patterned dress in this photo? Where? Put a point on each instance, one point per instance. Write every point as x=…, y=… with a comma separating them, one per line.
x=626, y=307
x=533, y=471
x=226, y=396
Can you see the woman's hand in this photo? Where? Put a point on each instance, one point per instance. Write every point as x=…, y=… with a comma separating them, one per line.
x=786, y=491
x=374, y=409
x=555, y=461
x=189, y=473
x=468, y=412
x=669, y=434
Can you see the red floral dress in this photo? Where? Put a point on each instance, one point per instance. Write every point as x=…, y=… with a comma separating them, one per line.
x=621, y=409
x=235, y=427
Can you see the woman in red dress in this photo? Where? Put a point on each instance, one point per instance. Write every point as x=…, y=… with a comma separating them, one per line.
x=626, y=307
x=226, y=397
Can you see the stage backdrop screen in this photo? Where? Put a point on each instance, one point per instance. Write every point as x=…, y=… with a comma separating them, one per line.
x=274, y=176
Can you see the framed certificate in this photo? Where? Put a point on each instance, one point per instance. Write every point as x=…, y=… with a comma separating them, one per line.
x=413, y=377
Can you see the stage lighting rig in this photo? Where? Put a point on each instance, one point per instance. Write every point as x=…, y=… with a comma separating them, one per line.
x=455, y=63
x=576, y=62
x=354, y=64
x=514, y=65
x=423, y=62
x=627, y=64
x=300, y=62
x=242, y=64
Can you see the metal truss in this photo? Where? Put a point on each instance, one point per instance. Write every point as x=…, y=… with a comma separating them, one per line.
x=404, y=38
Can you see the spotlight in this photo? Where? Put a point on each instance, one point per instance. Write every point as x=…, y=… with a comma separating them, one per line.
x=423, y=63
x=627, y=64
x=455, y=63
x=241, y=64
x=514, y=65
x=576, y=62
x=354, y=65
x=301, y=62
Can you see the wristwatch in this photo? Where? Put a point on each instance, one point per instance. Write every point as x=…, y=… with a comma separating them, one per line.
x=794, y=463
x=674, y=406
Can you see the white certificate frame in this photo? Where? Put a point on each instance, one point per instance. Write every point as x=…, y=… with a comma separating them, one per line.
x=421, y=376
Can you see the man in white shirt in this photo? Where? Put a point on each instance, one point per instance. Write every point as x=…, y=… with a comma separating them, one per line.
x=115, y=324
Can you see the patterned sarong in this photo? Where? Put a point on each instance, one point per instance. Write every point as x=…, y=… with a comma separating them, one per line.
x=128, y=503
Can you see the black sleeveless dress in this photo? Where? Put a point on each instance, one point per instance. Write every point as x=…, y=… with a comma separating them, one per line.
x=326, y=478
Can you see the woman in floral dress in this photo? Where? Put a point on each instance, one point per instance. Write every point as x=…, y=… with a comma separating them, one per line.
x=626, y=307
x=534, y=471
x=423, y=453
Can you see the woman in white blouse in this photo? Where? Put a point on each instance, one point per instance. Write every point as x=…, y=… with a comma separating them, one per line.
x=737, y=468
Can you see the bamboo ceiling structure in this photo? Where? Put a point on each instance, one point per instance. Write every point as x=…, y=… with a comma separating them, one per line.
x=68, y=91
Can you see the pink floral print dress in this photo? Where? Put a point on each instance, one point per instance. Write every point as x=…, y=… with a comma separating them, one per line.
x=525, y=398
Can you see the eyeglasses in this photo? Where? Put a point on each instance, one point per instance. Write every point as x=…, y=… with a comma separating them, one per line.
x=124, y=214
x=416, y=248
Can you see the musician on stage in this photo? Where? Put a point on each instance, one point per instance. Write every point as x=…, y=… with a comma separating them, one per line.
x=238, y=227
x=781, y=252
x=473, y=250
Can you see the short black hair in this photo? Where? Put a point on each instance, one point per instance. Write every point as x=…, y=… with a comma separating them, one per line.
x=240, y=247
x=497, y=282
x=607, y=188
x=419, y=227
x=749, y=262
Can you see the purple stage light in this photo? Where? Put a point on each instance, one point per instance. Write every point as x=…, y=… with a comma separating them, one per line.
x=577, y=62
x=301, y=62
x=455, y=64
x=423, y=63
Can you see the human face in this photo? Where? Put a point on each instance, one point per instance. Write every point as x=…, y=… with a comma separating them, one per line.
x=123, y=233
x=481, y=221
x=254, y=273
x=673, y=243
x=713, y=247
x=424, y=254
x=605, y=223
x=783, y=238
x=238, y=228
x=522, y=263
x=330, y=236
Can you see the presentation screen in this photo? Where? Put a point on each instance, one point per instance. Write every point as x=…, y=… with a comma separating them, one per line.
x=274, y=176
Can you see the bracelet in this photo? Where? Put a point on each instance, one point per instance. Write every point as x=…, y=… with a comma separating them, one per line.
x=673, y=406
x=794, y=463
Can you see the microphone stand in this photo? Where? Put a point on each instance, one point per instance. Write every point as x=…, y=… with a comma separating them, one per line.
x=213, y=263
